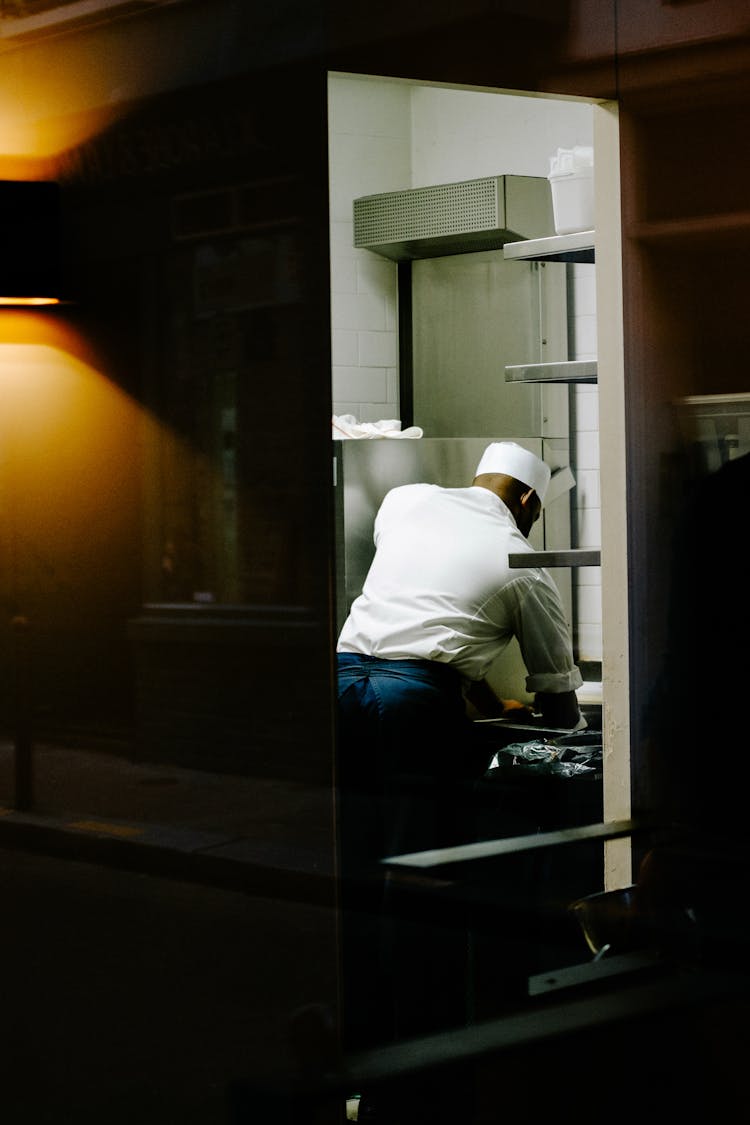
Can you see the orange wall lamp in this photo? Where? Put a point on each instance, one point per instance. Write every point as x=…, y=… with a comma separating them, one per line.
x=30, y=254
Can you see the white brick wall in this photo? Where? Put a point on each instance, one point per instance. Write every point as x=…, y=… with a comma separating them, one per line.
x=369, y=152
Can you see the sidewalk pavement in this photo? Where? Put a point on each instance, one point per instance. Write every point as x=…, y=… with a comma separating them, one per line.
x=257, y=834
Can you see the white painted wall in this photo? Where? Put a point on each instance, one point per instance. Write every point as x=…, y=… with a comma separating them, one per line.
x=582, y=344
x=390, y=135
x=369, y=152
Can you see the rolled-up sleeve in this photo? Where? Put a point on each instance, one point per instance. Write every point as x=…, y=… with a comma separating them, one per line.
x=543, y=635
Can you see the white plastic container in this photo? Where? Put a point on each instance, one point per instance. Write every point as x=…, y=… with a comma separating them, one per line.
x=571, y=179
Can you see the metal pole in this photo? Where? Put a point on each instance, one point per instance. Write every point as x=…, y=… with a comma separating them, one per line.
x=23, y=767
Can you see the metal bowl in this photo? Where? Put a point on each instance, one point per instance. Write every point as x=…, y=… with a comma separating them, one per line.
x=608, y=920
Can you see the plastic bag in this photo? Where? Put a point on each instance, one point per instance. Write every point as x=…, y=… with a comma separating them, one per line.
x=567, y=756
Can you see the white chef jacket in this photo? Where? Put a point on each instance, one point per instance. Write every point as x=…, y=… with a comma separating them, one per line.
x=440, y=588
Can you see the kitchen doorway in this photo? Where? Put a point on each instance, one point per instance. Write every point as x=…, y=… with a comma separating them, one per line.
x=390, y=135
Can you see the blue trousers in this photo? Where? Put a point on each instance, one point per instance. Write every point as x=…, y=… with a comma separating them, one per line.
x=405, y=766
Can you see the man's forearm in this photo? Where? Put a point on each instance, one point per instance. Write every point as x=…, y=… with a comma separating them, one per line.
x=559, y=709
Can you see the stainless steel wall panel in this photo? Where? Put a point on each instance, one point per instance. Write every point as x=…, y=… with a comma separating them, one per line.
x=473, y=315
x=365, y=469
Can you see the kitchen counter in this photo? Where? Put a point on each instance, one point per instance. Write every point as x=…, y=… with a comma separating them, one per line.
x=530, y=728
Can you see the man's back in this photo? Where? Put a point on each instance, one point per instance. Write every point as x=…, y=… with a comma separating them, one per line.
x=440, y=587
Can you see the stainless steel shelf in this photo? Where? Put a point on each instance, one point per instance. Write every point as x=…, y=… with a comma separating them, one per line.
x=574, y=557
x=578, y=247
x=570, y=371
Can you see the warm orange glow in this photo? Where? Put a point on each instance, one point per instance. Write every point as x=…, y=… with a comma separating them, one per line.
x=29, y=301
x=55, y=401
x=27, y=141
x=79, y=458
x=15, y=166
x=57, y=93
x=67, y=436
x=27, y=326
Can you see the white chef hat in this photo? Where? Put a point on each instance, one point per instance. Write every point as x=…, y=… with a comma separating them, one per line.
x=515, y=461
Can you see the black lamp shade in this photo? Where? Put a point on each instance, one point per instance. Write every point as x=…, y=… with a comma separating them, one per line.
x=29, y=241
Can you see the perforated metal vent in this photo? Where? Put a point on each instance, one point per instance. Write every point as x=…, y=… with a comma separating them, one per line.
x=444, y=218
x=426, y=212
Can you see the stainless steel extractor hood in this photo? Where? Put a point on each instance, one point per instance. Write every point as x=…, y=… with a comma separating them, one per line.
x=459, y=218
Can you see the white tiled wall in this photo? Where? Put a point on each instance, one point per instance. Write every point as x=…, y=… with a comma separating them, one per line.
x=369, y=152
x=388, y=135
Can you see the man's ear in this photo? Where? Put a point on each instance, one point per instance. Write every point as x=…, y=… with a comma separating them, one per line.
x=526, y=496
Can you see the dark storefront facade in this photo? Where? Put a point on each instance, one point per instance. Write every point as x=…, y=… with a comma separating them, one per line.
x=167, y=564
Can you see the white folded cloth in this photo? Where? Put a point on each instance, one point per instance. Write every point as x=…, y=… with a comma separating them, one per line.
x=347, y=426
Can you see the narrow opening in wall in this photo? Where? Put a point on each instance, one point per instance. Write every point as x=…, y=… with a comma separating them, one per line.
x=423, y=325
x=457, y=381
